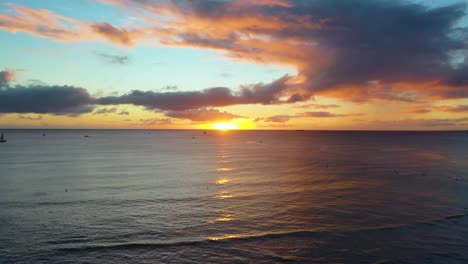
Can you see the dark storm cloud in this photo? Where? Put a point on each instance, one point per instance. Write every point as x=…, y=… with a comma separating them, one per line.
x=58, y=100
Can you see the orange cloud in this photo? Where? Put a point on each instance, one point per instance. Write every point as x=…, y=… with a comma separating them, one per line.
x=6, y=76
x=337, y=54
x=202, y=115
x=419, y=110
x=47, y=24
x=453, y=109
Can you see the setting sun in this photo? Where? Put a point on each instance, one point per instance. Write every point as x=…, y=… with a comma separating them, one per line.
x=225, y=126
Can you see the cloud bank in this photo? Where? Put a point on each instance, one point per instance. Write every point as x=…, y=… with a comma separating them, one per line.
x=57, y=100
x=358, y=51
x=355, y=50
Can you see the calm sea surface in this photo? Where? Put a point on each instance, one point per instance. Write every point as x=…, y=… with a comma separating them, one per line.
x=233, y=197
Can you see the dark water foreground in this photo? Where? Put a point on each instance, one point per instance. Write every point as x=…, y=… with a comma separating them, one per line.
x=233, y=197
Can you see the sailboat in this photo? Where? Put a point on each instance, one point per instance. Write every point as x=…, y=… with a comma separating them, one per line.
x=2, y=139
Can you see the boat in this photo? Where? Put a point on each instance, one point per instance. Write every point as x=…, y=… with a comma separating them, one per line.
x=2, y=139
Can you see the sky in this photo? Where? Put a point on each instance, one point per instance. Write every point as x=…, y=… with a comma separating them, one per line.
x=246, y=64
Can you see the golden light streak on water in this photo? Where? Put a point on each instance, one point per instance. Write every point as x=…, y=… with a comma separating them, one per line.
x=223, y=181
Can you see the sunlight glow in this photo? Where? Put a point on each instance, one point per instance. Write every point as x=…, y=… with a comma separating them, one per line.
x=225, y=126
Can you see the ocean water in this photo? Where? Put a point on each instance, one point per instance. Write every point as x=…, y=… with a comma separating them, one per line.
x=233, y=197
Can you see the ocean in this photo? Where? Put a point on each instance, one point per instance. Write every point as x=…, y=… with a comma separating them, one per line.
x=166, y=196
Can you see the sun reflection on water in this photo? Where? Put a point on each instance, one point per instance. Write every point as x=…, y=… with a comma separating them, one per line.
x=225, y=218
x=224, y=196
x=224, y=169
x=223, y=237
x=223, y=181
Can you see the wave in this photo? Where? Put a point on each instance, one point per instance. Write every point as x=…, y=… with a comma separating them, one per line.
x=103, y=202
x=456, y=216
x=129, y=246
x=250, y=237
x=206, y=241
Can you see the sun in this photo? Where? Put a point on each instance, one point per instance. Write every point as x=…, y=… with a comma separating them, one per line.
x=225, y=126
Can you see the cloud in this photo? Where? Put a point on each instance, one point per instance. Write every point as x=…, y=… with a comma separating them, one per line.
x=333, y=44
x=219, y=96
x=442, y=108
x=40, y=22
x=318, y=106
x=74, y=101
x=57, y=100
x=286, y=118
x=413, y=124
x=124, y=113
x=419, y=110
x=324, y=114
x=377, y=49
x=35, y=82
x=113, y=59
x=30, y=117
x=259, y=93
x=170, y=87
x=453, y=109
x=155, y=121
x=202, y=115
x=117, y=35
x=414, y=41
x=276, y=119
x=6, y=76
x=358, y=51
x=47, y=24
x=104, y=111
